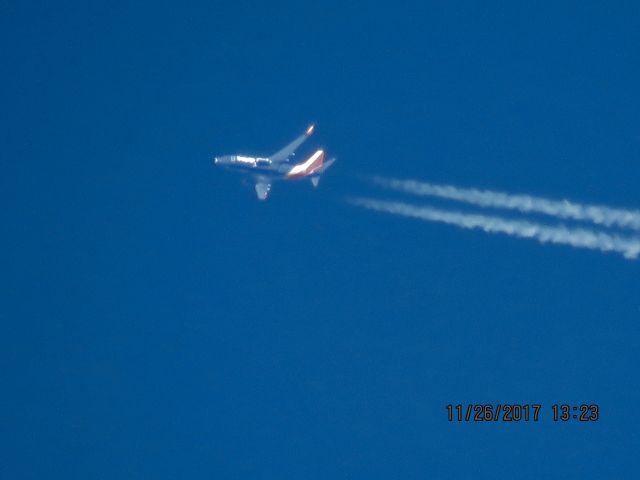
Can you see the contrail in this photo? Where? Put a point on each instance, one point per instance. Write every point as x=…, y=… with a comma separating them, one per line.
x=597, y=214
x=579, y=238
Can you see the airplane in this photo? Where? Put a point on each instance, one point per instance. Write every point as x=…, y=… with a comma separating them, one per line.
x=265, y=171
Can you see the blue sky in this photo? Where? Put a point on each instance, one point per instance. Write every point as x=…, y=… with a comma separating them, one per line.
x=158, y=321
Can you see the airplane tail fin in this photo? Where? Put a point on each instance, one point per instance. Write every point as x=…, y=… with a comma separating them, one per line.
x=309, y=167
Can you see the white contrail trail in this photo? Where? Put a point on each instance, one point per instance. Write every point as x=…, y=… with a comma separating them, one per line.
x=598, y=214
x=579, y=238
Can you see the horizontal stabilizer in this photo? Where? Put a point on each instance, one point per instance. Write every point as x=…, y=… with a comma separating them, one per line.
x=327, y=164
x=315, y=179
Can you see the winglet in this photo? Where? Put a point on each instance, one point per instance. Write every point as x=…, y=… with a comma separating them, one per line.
x=310, y=130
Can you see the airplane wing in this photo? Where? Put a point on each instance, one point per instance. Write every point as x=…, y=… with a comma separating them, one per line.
x=284, y=154
x=262, y=189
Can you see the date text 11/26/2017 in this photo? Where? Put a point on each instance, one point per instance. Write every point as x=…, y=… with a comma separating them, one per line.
x=525, y=412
